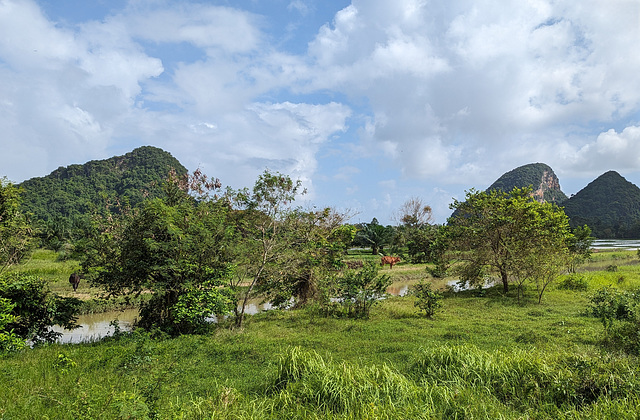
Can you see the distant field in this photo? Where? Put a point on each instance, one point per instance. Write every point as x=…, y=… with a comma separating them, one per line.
x=483, y=356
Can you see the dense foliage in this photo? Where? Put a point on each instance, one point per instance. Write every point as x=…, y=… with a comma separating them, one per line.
x=30, y=309
x=172, y=247
x=610, y=206
x=16, y=233
x=530, y=176
x=64, y=199
x=373, y=235
x=511, y=235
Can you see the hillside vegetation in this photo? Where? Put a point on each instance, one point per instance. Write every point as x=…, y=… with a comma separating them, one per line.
x=539, y=176
x=610, y=206
x=76, y=190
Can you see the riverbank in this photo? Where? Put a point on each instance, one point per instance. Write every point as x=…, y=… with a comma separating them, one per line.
x=481, y=356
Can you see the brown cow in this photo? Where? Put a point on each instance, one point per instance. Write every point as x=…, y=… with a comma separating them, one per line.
x=74, y=279
x=389, y=260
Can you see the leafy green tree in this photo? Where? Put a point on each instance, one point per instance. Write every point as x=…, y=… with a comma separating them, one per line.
x=34, y=309
x=510, y=234
x=437, y=252
x=317, y=241
x=579, y=246
x=174, y=248
x=358, y=290
x=374, y=235
x=262, y=247
x=16, y=234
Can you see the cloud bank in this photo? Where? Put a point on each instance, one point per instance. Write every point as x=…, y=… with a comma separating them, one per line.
x=384, y=101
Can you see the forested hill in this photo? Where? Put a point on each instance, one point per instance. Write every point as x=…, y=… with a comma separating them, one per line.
x=538, y=176
x=609, y=205
x=84, y=189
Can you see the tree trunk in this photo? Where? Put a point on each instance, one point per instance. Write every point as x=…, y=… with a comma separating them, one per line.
x=505, y=281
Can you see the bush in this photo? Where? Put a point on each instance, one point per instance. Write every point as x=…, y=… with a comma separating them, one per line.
x=573, y=282
x=35, y=309
x=358, y=290
x=619, y=312
x=427, y=299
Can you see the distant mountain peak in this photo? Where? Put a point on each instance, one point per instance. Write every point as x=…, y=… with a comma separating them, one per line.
x=609, y=205
x=88, y=188
x=539, y=176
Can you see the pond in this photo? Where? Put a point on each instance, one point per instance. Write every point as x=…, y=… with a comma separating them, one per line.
x=96, y=326
x=619, y=244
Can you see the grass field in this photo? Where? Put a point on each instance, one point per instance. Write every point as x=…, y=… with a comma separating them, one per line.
x=483, y=355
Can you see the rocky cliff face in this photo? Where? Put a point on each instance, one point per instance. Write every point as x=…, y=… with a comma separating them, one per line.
x=539, y=176
x=548, y=188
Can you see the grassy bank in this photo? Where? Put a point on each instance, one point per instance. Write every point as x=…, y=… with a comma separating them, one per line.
x=482, y=356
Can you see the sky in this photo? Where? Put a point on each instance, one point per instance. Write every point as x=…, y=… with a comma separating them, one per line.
x=368, y=102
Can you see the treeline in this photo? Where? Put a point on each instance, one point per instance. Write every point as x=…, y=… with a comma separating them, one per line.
x=199, y=251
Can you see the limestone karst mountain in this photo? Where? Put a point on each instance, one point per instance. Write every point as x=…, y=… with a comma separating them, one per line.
x=78, y=190
x=539, y=176
x=609, y=205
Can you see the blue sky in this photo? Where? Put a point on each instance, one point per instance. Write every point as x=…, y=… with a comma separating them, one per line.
x=368, y=102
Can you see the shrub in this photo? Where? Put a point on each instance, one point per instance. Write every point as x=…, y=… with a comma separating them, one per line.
x=573, y=282
x=619, y=312
x=427, y=300
x=358, y=290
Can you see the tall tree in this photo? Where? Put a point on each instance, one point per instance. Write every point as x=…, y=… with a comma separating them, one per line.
x=509, y=234
x=316, y=242
x=415, y=231
x=175, y=248
x=262, y=245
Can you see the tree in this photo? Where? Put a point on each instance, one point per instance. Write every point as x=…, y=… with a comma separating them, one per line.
x=316, y=242
x=510, y=234
x=374, y=235
x=579, y=246
x=33, y=309
x=262, y=246
x=414, y=213
x=175, y=248
x=415, y=231
x=358, y=290
x=16, y=234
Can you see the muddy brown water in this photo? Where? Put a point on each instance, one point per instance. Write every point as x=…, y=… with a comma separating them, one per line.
x=93, y=327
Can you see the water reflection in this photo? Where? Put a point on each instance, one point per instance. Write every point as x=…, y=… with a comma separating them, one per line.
x=620, y=244
x=96, y=326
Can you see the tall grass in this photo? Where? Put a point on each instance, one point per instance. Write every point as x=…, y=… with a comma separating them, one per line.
x=481, y=357
x=304, y=376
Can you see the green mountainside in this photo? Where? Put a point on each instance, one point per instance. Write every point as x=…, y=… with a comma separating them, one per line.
x=538, y=176
x=609, y=205
x=76, y=190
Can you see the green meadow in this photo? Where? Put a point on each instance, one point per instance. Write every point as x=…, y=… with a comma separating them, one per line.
x=484, y=355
